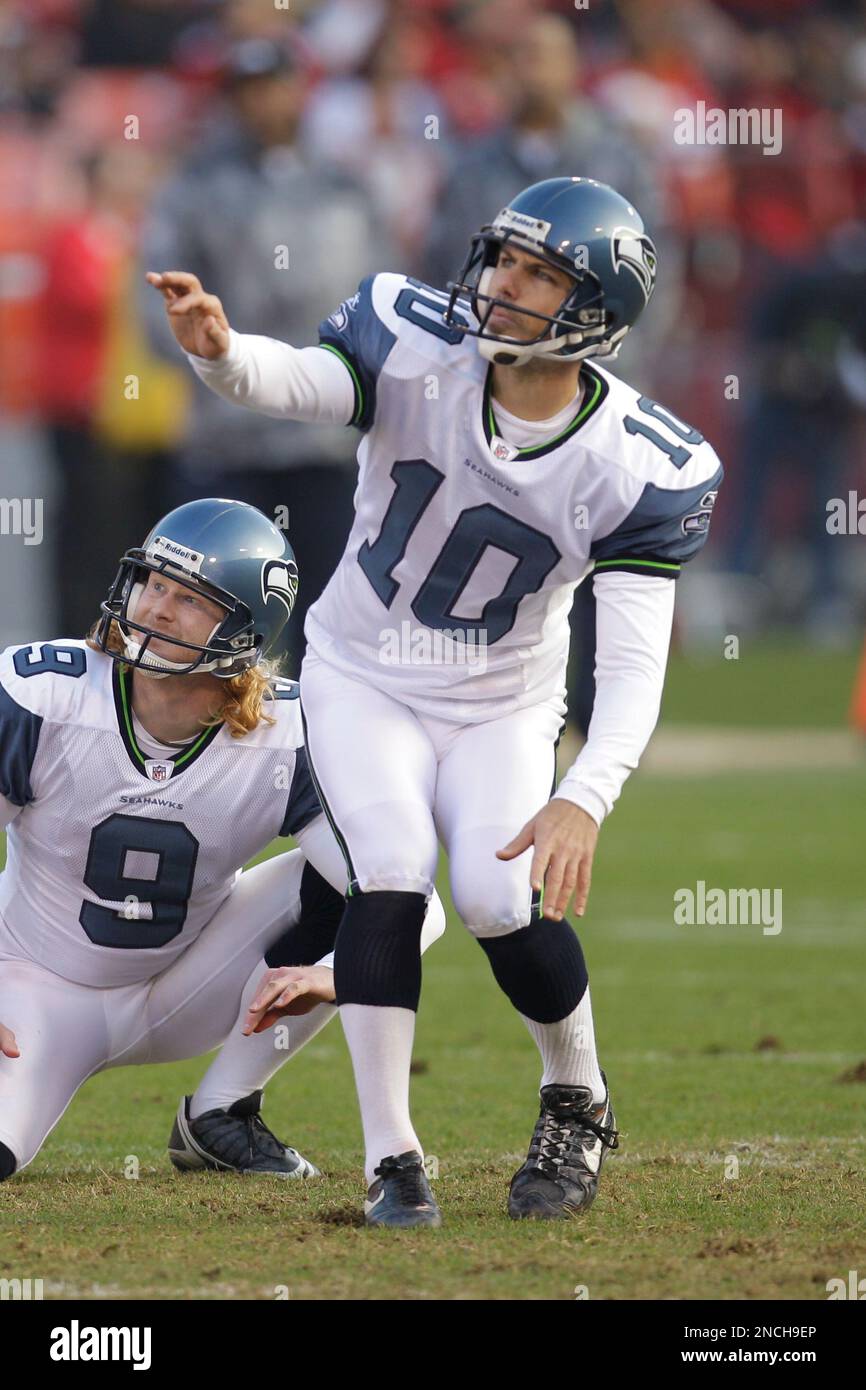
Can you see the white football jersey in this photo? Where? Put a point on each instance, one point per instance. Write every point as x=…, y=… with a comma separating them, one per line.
x=118, y=861
x=454, y=591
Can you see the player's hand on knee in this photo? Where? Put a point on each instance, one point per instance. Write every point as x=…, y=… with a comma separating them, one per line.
x=197, y=319
x=564, y=837
x=290, y=989
x=8, y=1045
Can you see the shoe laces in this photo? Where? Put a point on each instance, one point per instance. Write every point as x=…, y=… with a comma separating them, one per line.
x=558, y=1136
x=407, y=1178
x=261, y=1139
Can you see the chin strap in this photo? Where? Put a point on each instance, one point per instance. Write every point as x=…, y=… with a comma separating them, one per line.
x=154, y=667
x=158, y=667
x=570, y=347
x=507, y=355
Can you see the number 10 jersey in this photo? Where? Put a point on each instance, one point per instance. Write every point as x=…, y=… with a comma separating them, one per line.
x=454, y=590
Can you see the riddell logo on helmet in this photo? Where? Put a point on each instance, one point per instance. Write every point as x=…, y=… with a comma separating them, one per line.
x=531, y=227
x=161, y=548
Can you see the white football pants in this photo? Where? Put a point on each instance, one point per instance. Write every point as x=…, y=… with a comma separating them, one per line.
x=67, y=1031
x=393, y=782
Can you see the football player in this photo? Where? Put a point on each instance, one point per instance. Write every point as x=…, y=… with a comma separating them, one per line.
x=500, y=465
x=139, y=771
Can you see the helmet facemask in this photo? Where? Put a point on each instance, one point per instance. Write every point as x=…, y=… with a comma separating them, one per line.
x=231, y=647
x=580, y=327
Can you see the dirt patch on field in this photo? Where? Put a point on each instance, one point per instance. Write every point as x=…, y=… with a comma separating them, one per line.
x=693, y=751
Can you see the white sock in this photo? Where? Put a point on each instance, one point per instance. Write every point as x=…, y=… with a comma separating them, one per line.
x=568, y=1049
x=380, y=1041
x=246, y=1064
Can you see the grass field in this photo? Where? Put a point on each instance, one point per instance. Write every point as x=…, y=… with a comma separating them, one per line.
x=720, y=1043
x=775, y=682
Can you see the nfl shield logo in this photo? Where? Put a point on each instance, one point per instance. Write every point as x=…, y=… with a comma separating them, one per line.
x=157, y=772
x=502, y=450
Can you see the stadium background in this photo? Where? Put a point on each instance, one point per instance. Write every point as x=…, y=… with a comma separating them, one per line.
x=368, y=134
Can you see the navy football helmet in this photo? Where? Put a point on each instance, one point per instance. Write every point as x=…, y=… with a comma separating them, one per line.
x=581, y=227
x=229, y=552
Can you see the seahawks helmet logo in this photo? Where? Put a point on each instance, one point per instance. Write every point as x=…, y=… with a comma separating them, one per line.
x=637, y=252
x=280, y=581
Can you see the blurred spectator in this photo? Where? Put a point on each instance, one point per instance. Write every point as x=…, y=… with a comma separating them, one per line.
x=806, y=387
x=80, y=369
x=281, y=241
x=385, y=123
x=83, y=255
x=136, y=33
x=343, y=33
x=552, y=131
x=35, y=65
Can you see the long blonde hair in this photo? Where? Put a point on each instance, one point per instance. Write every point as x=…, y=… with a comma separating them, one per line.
x=245, y=696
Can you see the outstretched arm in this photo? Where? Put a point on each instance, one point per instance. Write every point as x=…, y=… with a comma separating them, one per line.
x=260, y=373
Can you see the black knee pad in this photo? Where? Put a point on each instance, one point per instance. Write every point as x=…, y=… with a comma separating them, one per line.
x=314, y=934
x=540, y=967
x=377, y=958
x=7, y=1162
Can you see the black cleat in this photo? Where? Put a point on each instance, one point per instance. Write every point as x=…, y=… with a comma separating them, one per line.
x=401, y=1194
x=572, y=1138
x=236, y=1140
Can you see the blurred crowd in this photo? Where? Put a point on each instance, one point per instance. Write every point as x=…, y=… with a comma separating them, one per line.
x=282, y=151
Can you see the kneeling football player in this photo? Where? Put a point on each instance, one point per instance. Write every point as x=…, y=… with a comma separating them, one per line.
x=140, y=769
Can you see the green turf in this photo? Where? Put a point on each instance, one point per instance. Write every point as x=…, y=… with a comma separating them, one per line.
x=679, y=1012
x=773, y=683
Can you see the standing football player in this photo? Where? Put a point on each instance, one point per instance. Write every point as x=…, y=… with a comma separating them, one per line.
x=498, y=468
x=139, y=771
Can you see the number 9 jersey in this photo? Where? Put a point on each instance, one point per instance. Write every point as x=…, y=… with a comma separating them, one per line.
x=117, y=861
x=454, y=591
